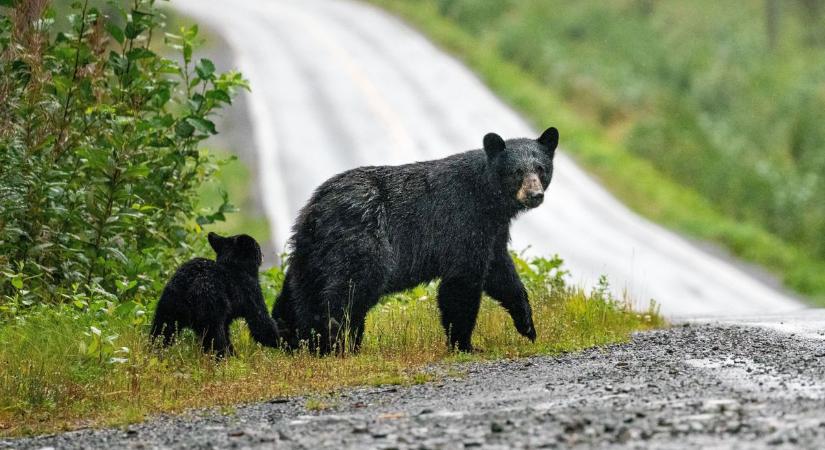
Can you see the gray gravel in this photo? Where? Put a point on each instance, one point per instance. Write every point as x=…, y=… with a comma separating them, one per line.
x=694, y=385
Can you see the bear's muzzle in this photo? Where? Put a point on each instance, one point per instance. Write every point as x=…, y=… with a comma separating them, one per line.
x=531, y=192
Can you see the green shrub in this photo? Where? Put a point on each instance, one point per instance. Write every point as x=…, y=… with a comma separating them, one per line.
x=99, y=159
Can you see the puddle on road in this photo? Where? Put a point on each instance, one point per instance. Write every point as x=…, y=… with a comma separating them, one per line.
x=745, y=374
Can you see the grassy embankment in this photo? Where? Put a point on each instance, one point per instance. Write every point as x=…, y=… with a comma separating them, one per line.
x=63, y=370
x=526, y=53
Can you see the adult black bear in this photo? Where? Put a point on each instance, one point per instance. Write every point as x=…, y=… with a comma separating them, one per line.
x=376, y=230
x=207, y=296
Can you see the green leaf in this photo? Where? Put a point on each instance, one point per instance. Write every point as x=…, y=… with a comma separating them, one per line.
x=187, y=52
x=17, y=282
x=202, y=125
x=205, y=69
x=218, y=95
x=184, y=129
x=139, y=53
x=133, y=30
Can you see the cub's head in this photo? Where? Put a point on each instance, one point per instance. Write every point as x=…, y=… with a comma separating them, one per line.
x=523, y=167
x=240, y=250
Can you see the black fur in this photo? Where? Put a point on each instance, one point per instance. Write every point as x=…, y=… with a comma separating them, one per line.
x=207, y=296
x=376, y=230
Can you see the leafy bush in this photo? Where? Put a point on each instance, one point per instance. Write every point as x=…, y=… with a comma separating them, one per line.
x=99, y=159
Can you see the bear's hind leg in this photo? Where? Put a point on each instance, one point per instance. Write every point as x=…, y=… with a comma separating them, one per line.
x=459, y=301
x=344, y=314
x=356, y=332
x=284, y=316
x=163, y=328
x=216, y=338
x=164, y=323
x=230, y=349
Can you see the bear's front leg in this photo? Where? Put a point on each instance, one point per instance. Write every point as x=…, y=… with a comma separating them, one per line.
x=504, y=285
x=459, y=300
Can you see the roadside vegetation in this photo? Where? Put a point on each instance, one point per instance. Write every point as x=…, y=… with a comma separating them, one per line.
x=698, y=115
x=104, y=190
x=67, y=367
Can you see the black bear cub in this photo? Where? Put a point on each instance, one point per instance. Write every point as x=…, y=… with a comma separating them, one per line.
x=372, y=231
x=206, y=296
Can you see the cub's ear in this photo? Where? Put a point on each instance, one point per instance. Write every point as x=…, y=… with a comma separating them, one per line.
x=216, y=241
x=249, y=246
x=550, y=139
x=493, y=145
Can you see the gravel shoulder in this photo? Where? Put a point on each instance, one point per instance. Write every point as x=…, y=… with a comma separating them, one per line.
x=694, y=385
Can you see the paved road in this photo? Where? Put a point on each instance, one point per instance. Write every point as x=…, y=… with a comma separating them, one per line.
x=339, y=84
x=696, y=386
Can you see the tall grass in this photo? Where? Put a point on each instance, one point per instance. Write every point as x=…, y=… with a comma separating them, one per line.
x=63, y=369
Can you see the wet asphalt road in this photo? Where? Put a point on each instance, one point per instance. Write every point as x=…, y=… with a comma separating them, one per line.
x=338, y=84
x=692, y=386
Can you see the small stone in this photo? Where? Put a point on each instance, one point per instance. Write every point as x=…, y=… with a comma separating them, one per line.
x=496, y=427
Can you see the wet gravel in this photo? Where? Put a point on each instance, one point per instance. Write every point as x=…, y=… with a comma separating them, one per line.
x=687, y=387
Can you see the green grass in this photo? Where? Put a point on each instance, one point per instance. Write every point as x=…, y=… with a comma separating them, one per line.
x=600, y=149
x=58, y=372
x=89, y=362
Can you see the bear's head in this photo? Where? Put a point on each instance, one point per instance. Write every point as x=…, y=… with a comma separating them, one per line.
x=522, y=168
x=240, y=250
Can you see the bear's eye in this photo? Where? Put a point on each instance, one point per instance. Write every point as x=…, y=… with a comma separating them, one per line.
x=520, y=172
x=540, y=170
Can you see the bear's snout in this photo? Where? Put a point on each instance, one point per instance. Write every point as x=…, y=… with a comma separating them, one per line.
x=531, y=192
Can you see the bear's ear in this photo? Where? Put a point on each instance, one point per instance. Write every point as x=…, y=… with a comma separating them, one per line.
x=493, y=145
x=249, y=246
x=216, y=241
x=550, y=139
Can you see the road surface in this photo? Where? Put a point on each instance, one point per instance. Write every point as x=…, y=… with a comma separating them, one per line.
x=339, y=84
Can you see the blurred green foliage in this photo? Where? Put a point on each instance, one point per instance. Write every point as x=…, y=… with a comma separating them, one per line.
x=694, y=87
